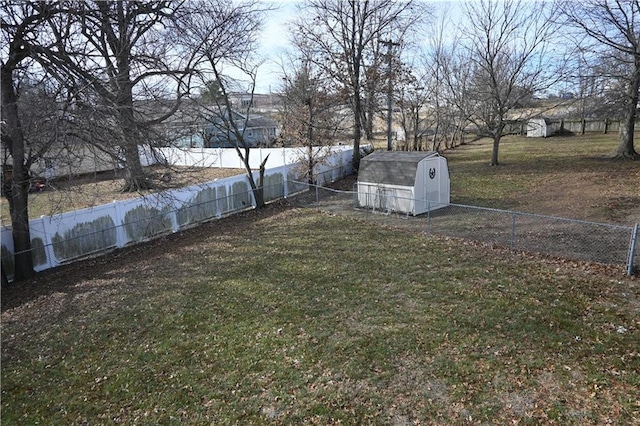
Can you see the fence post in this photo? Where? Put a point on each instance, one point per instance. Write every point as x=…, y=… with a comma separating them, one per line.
x=512, y=240
x=632, y=249
x=48, y=244
x=428, y=216
x=173, y=212
x=121, y=235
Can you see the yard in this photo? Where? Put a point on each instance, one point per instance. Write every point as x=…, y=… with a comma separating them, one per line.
x=572, y=177
x=569, y=177
x=289, y=315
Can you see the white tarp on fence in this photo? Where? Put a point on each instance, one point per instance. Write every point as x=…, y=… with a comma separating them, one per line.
x=68, y=236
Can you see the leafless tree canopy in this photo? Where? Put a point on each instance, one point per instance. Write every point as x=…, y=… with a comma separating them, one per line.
x=312, y=113
x=506, y=59
x=221, y=36
x=614, y=26
x=344, y=37
x=118, y=58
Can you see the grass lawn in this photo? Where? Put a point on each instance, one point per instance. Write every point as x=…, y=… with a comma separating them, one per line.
x=294, y=316
x=571, y=177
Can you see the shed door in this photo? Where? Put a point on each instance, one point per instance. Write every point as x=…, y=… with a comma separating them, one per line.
x=432, y=177
x=384, y=199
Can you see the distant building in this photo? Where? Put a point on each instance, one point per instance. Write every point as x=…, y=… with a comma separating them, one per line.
x=256, y=101
x=539, y=128
x=215, y=132
x=256, y=131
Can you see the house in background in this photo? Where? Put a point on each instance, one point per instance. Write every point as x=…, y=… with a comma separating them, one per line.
x=215, y=132
x=258, y=102
x=257, y=131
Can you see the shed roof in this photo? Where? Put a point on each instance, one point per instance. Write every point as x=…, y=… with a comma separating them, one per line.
x=546, y=120
x=392, y=167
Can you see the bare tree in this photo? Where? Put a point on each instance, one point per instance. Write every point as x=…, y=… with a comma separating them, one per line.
x=343, y=36
x=222, y=38
x=311, y=117
x=445, y=80
x=507, y=59
x=21, y=24
x=615, y=27
x=593, y=90
x=415, y=86
x=117, y=57
x=374, y=77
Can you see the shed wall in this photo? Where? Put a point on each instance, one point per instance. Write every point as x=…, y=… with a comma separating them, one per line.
x=428, y=190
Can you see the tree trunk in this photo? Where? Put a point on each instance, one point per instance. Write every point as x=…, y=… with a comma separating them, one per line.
x=310, y=147
x=357, y=135
x=135, y=179
x=310, y=164
x=494, y=152
x=368, y=117
x=626, y=148
x=436, y=136
x=357, y=131
x=23, y=260
x=5, y=280
x=258, y=191
x=19, y=192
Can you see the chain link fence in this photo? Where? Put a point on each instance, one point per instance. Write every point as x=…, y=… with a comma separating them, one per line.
x=534, y=233
x=565, y=238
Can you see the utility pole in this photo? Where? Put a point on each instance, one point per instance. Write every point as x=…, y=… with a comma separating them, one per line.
x=389, y=45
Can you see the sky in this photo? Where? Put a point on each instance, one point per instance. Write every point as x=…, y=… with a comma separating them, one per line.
x=275, y=41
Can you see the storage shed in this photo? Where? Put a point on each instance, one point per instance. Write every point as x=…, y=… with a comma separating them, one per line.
x=404, y=182
x=538, y=128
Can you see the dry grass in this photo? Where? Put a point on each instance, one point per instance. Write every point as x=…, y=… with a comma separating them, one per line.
x=288, y=316
x=292, y=316
x=572, y=177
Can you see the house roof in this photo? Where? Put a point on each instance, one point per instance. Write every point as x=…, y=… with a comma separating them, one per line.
x=392, y=167
x=257, y=121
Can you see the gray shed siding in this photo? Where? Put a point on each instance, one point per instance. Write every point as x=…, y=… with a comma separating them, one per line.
x=391, y=167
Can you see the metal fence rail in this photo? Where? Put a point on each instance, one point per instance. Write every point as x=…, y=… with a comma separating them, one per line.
x=573, y=239
x=534, y=233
